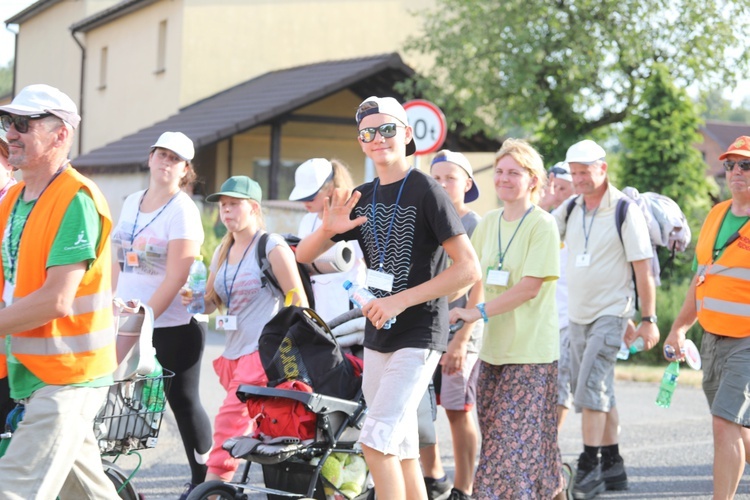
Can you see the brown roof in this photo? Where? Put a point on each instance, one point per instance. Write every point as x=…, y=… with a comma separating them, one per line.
x=269, y=97
x=724, y=133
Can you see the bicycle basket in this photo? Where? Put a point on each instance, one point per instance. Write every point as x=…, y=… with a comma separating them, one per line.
x=131, y=416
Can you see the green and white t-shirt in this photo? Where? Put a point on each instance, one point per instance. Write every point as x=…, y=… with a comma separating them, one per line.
x=76, y=241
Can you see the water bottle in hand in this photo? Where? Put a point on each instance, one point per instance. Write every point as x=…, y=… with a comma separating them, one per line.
x=668, y=384
x=197, y=286
x=361, y=296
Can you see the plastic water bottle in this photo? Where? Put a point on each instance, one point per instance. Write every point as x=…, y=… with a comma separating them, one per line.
x=197, y=286
x=152, y=394
x=361, y=296
x=668, y=384
x=625, y=351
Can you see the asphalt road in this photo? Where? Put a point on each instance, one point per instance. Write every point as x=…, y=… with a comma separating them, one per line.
x=668, y=452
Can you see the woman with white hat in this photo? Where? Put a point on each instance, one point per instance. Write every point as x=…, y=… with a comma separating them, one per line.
x=314, y=181
x=155, y=242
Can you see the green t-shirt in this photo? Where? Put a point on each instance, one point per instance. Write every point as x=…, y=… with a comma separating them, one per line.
x=730, y=225
x=529, y=334
x=76, y=241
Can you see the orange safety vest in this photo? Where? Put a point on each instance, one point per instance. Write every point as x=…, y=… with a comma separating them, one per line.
x=79, y=347
x=722, y=294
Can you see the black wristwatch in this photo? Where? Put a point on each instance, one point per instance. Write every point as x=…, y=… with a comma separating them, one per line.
x=650, y=319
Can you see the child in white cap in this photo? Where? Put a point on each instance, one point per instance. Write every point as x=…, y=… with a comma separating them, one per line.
x=314, y=181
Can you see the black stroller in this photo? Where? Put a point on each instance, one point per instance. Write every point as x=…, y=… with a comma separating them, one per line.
x=325, y=463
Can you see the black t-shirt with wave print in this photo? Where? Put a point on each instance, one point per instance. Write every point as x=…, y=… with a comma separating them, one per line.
x=425, y=218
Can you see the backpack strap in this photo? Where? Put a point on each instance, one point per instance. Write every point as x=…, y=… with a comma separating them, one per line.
x=265, y=265
x=621, y=211
x=569, y=208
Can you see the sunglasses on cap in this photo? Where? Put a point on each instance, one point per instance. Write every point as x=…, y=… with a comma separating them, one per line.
x=558, y=171
x=743, y=164
x=387, y=130
x=21, y=122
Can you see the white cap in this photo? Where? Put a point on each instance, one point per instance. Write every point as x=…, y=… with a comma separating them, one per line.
x=561, y=170
x=39, y=99
x=178, y=143
x=586, y=151
x=387, y=106
x=309, y=178
x=459, y=160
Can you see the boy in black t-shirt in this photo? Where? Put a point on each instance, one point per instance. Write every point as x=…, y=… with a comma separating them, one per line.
x=400, y=220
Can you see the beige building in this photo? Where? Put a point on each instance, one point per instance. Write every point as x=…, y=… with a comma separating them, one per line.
x=259, y=85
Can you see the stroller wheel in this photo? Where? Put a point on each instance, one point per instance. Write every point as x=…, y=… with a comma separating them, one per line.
x=216, y=489
x=125, y=489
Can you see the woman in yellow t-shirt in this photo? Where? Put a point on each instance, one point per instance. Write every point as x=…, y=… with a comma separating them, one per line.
x=518, y=247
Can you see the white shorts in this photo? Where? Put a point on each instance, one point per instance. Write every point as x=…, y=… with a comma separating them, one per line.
x=393, y=384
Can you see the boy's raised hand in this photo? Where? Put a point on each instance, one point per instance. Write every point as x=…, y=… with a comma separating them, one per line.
x=336, y=211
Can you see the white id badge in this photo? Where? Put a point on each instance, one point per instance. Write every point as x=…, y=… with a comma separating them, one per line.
x=8, y=291
x=380, y=280
x=227, y=323
x=583, y=260
x=497, y=277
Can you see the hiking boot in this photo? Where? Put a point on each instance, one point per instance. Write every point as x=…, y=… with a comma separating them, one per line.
x=613, y=473
x=458, y=495
x=588, y=480
x=438, y=489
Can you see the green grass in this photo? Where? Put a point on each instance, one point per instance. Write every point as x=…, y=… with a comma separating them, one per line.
x=646, y=373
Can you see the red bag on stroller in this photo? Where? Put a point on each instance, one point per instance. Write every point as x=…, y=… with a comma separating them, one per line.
x=277, y=417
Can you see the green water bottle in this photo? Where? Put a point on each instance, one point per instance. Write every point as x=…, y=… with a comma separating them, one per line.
x=668, y=384
x=152, y=394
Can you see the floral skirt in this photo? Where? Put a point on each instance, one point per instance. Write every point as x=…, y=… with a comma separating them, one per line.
x=517, y=407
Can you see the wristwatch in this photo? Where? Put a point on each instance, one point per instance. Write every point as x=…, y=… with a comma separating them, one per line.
x=650, y=319
x=480, y=306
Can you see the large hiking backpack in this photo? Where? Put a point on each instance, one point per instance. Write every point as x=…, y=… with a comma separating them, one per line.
x=268, y=276
x=667, y=224
x=297, y=345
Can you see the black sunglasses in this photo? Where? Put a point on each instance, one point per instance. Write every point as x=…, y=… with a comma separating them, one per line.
x=21, y=122
x=743, y=164
x=387, y=130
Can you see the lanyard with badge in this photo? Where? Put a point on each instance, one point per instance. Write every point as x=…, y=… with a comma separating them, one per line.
x=379, y=278
x=10, y=285
x=131, y=256
x=501, y=276
x=584, y=259
x=229, y=321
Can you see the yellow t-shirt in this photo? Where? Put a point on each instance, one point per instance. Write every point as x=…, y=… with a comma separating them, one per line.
x=529, y=333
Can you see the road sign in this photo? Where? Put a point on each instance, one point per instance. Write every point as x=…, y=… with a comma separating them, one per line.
x=428, y=122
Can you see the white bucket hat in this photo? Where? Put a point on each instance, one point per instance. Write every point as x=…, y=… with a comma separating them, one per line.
x=586, y=152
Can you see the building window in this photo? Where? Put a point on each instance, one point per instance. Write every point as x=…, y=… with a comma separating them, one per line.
x=261, y=168
x=103, y=69
x=161, y=54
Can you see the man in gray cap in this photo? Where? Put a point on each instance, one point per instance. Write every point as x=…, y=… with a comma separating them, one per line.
x=56, y=324
x=600, y=268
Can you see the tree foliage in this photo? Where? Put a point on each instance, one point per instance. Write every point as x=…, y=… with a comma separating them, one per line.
x=659, y=153
x=563, y=69
x=658, y=142
x=6, y=79
x=716, y=107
